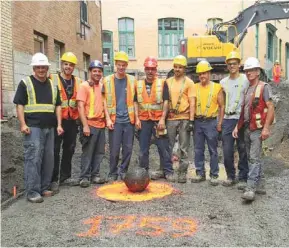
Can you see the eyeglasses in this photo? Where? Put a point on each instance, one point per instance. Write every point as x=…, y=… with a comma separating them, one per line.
x=232, y=64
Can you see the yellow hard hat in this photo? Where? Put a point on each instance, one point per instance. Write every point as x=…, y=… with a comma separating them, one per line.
x=233, y=55
x=203, y=66
x=121, y=56
x=180, y=60
x=69, y=57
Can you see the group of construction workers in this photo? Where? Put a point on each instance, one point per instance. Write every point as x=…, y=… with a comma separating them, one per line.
x=52, y=109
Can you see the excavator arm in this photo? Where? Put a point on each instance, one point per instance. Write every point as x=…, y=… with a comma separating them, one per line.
x=259, y=12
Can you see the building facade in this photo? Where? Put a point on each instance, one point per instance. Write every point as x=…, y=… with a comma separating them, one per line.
x=143, y=28
x=50, y=27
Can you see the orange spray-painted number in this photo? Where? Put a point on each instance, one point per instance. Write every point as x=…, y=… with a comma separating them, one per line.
x=119, y=227
x=186, y=227
x=151, y=227
x=94, y=229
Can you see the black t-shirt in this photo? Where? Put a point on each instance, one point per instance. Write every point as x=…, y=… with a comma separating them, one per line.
x=43, y=93
x=68, y=85
x=148, y=89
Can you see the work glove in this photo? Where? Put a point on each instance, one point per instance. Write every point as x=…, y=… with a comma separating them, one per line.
x=191, y=126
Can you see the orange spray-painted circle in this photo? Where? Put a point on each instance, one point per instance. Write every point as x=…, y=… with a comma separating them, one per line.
x=119, y=192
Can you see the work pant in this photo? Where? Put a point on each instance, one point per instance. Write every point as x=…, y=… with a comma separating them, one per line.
x=206, y=130
x=38, y=159
x=228, y=142
x=162, y=143
x=92, y=152
x=121, y=136
x=181, y=127
x=254, y=150
x=68, y=142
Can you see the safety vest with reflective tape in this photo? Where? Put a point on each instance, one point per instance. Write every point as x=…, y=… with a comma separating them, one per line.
x=277, y=71
x=110, y=98
x=68, y=106
x=32, y=106
x=211, y=109
x=150, y=107
x=258, y=112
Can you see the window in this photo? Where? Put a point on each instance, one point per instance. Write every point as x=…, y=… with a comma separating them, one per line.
x=86, y=59
x=126, y=36
x=171, y=30
x=280, y=50
x=257, y=40
x=83, y=11
x=39, y=41
x=58, y=49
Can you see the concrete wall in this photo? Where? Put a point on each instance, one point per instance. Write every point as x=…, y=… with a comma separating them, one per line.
x=195, y=14
x=56, y=21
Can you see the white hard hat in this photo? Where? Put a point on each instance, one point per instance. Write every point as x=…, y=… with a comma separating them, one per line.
x=251, y=63
x=39, y=59
x=277, y=61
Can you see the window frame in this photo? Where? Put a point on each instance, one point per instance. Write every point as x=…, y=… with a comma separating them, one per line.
x=125, y=47
x=86, y=59
x=163, y=33
x=58, y=60
x=41, y=39
x=83, y=3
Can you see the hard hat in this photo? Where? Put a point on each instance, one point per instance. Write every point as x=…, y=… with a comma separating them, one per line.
x=180, y=60
x=95, y=64
x=233, y=55
x=203, y=66
x=151, y=62
x=251, y=63
x=39, y=59
x=277, y=61
x=121, y=56
x=69, y=57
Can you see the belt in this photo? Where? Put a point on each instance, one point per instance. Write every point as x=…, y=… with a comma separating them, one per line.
x=230, y=113
x=204, y=118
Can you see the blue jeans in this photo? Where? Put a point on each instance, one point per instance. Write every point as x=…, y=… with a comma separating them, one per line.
x=206, y=131
x=147, y=130
x=121, y=136
x=254, y=150
x=92, y=152
x=38, y=159
x=228, y=142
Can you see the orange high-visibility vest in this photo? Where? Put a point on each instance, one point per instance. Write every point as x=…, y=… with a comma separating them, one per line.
x=150, y=107
x=68, y=106
x=258, y=113
x=277, y=71
x=110, y=97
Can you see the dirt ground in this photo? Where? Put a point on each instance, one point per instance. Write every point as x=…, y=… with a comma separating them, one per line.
x=194, y=215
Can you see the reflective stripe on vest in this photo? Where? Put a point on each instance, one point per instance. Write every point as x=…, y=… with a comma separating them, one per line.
x=158, y=93
x=199, y=109
x=33, y=106
x=171, y=80
x=258, y=115
x=233, y=109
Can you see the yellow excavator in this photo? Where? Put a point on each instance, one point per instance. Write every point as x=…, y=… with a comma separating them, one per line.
x=224, y=37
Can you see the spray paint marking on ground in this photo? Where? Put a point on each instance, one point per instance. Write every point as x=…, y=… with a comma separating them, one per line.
x=153, y=226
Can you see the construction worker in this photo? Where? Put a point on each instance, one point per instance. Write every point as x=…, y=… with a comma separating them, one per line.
x=119, y=92
x=277, y=72
x=151, y=107
x=92, y=134
x=256, y=118
x=68, y=85
x=208, y=122
x=181, y=115
x=234, y=87
x=39, y=112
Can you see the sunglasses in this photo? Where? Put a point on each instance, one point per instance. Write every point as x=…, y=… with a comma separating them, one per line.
x=232, y=64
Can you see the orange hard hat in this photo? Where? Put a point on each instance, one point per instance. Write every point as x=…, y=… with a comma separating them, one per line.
x=150, y=62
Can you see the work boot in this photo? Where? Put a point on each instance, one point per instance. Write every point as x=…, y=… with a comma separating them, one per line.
x=84, y=183
x=54, y=187
x=97, y=180
x=111, y=178
x=198, y=179
x=229, y=182
x=170, y=178
x=47, y=193
x=70, y=182
x=249, y=195
x=242, y=185
x=34, y=197
x=214, y=181
x=155, y=175
x=260, y=189
x=182, y=178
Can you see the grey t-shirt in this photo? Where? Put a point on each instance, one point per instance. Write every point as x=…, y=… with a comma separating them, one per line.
x=230, y=87
x=267, y=96
x=121, y=106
